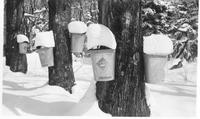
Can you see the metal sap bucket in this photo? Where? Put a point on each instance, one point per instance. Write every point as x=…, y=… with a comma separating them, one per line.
x=103, y=63
x=46, y=57
x=77, y=43
x=23, y=43
x=156, y=49
x=23, y=47
x=154, y=68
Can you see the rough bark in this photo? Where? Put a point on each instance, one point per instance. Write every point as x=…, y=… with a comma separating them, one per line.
x=14, y=25
x=61, y=74
x=124, y=96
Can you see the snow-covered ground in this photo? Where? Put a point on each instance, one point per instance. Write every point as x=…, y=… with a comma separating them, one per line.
x=30, y=94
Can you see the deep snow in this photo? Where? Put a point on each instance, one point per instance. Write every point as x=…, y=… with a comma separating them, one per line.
x=30, y=94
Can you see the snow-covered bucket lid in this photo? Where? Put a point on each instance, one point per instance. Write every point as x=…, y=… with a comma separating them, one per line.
x=77, y=27
x=22, y=38
x=98, y=34
x=45, y=39
x=158, y=44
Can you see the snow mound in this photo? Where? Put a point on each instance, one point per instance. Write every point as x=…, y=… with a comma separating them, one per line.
x=77, y=27
x=158, y=44
x=22, y=38
x=100, y=35
x=28, y=94
x=169, y=100
x=45, y=39
x=56, y=93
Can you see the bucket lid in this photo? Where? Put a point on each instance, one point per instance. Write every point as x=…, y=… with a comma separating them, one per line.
x=45, y=39
x=77, y=27
x=158, y=44
x=22, y=38
x=98, y=34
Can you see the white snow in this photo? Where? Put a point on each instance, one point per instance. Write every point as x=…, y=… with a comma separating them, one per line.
x=158, y=44
x=100, y=35
x=176, y=96
x=29, y=94
x=41, y=10
x=22, y=38
x=172, y=100
x=45, y=39
x=77, y=27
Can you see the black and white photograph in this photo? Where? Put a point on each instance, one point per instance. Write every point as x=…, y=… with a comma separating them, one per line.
x=100, y=58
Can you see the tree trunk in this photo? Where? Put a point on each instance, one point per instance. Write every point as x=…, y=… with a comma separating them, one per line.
x=61, y=74
x=14, y=25
x=124, y=96
x=30, y=6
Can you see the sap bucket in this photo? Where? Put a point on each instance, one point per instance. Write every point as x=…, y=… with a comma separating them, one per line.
x=154, y=68
x=46, y=56
x=23, y=47
x=23, y=43
x=77, y=43
x=78, y=30
x=103, y=62
x=156, y=49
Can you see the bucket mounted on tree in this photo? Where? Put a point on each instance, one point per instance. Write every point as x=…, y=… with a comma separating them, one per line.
x=23, y=43
x=103, y=60
x=156, y=49
x=78, y=30
x=44, y=42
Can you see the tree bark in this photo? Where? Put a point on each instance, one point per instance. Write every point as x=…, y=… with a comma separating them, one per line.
x=30, y=6
x=124, y=96
x=61, y=74
x=14, y=26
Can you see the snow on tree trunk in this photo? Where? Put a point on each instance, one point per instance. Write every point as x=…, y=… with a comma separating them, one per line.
x=14, y=25
x=124, y=96
x=85, y=10
x=61, y=74
x=38, y=9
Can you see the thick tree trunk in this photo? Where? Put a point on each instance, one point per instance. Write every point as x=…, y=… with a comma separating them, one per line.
x=61, y=74
x=14, y=25
x=124, y=96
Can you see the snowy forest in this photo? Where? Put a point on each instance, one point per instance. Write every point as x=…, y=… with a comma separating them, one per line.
x=100, y=58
